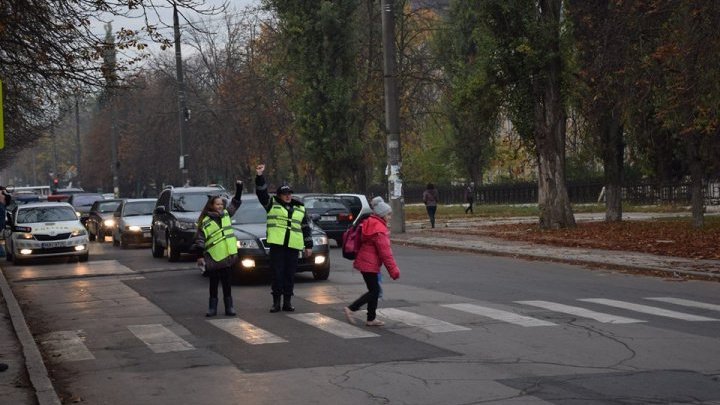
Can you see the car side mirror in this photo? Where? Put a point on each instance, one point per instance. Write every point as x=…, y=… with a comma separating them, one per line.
x=159, y=210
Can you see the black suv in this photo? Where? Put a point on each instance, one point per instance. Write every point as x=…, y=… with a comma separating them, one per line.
x=175, y=216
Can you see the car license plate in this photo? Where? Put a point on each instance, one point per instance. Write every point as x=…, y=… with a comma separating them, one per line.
x=146, y=234
x=50, y=245
x=327, y=218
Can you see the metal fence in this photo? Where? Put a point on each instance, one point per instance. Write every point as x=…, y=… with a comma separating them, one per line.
x=579, y=193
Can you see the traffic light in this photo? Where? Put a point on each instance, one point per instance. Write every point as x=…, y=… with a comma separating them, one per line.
x=55, y=183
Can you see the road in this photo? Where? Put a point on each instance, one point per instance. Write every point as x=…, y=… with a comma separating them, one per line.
x=461, y=328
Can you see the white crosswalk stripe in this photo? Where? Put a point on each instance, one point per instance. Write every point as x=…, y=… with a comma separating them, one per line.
x=246, y=331
x=332, y=325
x=499, y=315
x=648, y=309
x=65, y=345
x=420, y=321
x=582, y=312
x=159, y=338
x=687, y=303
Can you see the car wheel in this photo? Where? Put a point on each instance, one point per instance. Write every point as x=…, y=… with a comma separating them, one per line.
x=321, y=274
x=84, y=258
x=173, y=253
x=101, y=236
x=157, y=250
x=91, y=236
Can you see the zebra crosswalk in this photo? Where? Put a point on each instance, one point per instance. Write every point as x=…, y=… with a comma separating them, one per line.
x=69, y=346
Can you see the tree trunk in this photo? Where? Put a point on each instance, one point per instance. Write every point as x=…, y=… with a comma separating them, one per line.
x=612, y=153
x=696, y=179
x=549, y=131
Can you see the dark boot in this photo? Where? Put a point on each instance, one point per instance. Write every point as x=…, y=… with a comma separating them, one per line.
x=276, y=304
x=212, y=307
x=229, y=310
x=287, y=304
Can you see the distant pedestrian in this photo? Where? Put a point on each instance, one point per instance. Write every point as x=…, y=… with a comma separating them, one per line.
x=374, y=252
x=288, y=235
x=430, y=198
x=470, y=197
x=216, y=239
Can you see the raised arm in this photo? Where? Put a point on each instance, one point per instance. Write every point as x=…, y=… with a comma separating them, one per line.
x=261, y=187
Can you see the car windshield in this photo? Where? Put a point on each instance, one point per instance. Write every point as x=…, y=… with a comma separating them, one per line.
x=80, y=200
x=188, y=202
x=250, y=212
x=45, y=214
x=109, y=206
x=139, y=208
x=324, y=203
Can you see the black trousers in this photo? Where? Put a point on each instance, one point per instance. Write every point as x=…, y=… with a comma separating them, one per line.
x=431, y=213
x=283, y=261
x=220, y=276
x=469, y=207
x=371, y=297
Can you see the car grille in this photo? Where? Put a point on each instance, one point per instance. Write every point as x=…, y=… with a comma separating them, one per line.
x=59, y=236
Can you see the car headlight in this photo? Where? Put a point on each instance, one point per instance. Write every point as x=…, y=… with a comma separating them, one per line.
x=133, y=228
x=109, y=222
x=79, y=232
x=78, y=214
x=320, y=240
x=185, y=225
x=25, y=236
x=247, y=244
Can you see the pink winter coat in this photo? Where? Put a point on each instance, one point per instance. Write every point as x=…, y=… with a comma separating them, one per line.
x=375, y=248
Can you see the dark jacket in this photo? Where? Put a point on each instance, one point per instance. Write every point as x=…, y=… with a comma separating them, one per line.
x=268, y=202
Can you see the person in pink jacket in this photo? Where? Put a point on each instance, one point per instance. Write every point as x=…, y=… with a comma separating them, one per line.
x=374, y=252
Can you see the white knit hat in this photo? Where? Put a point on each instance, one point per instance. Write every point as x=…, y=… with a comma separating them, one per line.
x=382, y=209
x=375, y=200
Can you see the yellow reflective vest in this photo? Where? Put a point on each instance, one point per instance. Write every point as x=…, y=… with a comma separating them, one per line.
x=220, y=241
x=277, y=226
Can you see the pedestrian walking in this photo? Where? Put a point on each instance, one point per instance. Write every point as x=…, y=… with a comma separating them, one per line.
x=216, y=240
x=430, y=198
x=470, y=197
x=288, y=235
x=374, y=252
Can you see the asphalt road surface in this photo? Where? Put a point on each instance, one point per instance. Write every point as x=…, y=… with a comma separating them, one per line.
x=461, y=328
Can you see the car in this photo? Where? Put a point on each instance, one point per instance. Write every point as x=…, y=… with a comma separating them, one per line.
x=132, y=222
x=329, y=212
x=250, y=227
x=358, y=203
x=63, y=194
x=100, y=221
x=82, y=202
x=45, y=229
x=174, y=219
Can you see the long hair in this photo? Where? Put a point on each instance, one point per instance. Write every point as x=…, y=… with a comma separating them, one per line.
x=208, y=206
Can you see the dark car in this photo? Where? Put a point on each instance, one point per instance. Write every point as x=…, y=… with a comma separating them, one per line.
x=329, y=212
x=175, y=216
x=100, y=221
x=132, y=222
x=250, y=224
x=82, y=202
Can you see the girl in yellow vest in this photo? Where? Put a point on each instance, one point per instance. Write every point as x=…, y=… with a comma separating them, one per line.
x=216, y=239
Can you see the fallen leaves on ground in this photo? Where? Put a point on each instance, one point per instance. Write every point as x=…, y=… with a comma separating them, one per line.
x=661, y=237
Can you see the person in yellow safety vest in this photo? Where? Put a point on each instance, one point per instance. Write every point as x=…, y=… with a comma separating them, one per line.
x=288, y=235
x=216, y=239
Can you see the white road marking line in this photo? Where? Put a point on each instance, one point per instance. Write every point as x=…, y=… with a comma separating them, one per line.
x=66, y=345
x=159, y=338
x=648, y=309
x=582, y=312
x=420, y=321
x=332, y=325
x=687, y=303
x=499, y=315
x=246, y=331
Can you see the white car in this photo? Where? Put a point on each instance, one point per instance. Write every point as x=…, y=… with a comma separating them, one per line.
x=357, y=203
x=132, y=222
x=45, y=229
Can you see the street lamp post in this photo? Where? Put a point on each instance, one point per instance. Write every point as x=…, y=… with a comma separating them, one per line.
x=392, y=118
x=182, y=107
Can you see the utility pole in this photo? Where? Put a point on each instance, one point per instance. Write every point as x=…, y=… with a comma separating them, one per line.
x=392, y=118
x=183, y=113
x=77, y=134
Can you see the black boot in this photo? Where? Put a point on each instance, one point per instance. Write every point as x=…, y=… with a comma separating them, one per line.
x=276, y=304
x=229, y=310
x=212, y=308
x=287, y=304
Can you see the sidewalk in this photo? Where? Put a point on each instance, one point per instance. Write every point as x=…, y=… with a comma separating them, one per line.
x=417, y=234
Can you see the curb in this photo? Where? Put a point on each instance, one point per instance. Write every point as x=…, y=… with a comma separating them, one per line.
x=628, y=267
x=44, y=390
